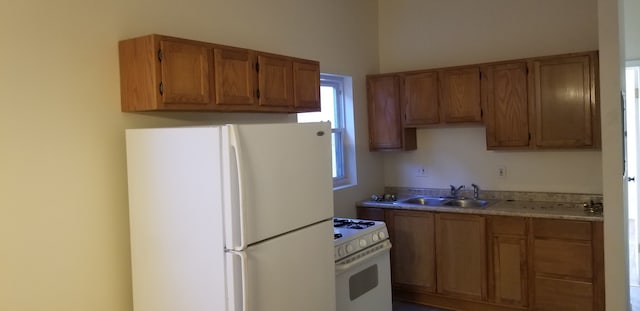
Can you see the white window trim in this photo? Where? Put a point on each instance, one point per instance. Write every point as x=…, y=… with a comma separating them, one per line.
x=344, y=115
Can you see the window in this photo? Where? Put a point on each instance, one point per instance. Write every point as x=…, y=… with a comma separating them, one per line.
x=337, y=108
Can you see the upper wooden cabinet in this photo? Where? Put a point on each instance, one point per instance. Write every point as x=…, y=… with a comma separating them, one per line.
x=441, y=96
x=420, y=99
x=306, y=85
x=542, y=103
x=460, y=95
x=564, y=99
x=166, y=73
x=235, y=77
x=385, y=122
x=506, y=105
x=546, y=102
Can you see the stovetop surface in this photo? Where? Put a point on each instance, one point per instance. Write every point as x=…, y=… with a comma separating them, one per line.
x=351, y=228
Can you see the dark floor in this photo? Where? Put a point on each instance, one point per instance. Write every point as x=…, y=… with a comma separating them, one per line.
x=404, y=306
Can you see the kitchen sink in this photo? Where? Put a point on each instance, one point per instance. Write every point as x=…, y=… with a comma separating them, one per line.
x=425, y=201
x=466, y=203
x=438, y=201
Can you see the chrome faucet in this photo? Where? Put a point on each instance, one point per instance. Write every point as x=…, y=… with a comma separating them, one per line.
x=476, y=191
x=454, y=190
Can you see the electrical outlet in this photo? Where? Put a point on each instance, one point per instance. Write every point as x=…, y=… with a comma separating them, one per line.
x=421, y=171
x=502, y=171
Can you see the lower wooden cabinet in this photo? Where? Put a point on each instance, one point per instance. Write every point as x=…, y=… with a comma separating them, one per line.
x=494, y=263
x=507, y=255
x=567, y=264
x=413, y=260
x=461, y=256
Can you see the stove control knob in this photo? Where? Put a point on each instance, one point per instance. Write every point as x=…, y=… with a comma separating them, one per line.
x=349, y=248
x=340, y=252
x=363, y=243
x=375, y=237
x=381, y=235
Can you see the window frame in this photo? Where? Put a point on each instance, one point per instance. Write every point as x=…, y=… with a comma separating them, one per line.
x=342, y=130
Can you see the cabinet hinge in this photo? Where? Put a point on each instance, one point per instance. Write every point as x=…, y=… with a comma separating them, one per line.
x=161, y=88
x=160, y=55
x=480, y=73
x=529, y=138
x=637, y=93
x=258, y=93
x=526, y=69
x=481, y=113
x=257, y=67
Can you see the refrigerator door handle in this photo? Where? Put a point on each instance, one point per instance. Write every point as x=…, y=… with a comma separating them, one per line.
x=243, y=282
x=237, y=154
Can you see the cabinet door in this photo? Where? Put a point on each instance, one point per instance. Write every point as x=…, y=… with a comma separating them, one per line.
x=508, y=270
x=185, y=73
x=507, y=111
x=460, y=95
x=413, y=258
x=461, y=256
x=235, y=77
x=275, y=81
x=385, y=124
x=420, y=99
x=565, y=102
x=306, y=86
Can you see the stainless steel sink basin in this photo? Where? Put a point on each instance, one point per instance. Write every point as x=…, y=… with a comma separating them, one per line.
x=466, y=203
x=425, y=201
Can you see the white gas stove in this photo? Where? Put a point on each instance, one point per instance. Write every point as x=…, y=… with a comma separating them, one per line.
x=363, y=273
x=354, y=235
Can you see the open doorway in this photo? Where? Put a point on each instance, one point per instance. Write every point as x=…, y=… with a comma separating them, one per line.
x=632, y=129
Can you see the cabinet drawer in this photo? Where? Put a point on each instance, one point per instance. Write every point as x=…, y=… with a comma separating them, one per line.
x=370, y=213
x=554, y=294
x=566, y=258
x=561, y=229
x=508, y=226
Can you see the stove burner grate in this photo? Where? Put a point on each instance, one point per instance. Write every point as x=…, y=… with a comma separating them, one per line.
x=337, y=235
x=352, y=224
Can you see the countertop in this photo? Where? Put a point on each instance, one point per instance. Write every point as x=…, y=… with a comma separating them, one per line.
x=554, y=210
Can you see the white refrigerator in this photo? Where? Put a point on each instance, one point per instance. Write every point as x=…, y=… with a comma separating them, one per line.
x=231, y=218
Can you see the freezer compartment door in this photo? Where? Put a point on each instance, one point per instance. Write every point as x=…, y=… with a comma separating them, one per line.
x=280, y=179
x=292, y=272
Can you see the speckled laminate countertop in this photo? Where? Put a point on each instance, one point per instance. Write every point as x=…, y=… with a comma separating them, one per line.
x=555, y=210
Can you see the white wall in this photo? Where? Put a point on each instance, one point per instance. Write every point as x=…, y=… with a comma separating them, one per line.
x=421, y=34
x=458, y=156
x=63, y=200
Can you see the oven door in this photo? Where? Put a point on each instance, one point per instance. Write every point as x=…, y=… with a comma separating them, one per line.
x=363, y=280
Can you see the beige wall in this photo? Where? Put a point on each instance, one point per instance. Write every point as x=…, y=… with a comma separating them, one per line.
x=419, y=34
x=611, y=37
x=632, y=29
x=63, y=202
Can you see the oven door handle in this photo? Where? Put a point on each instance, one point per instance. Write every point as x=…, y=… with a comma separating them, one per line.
x=375, y=251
